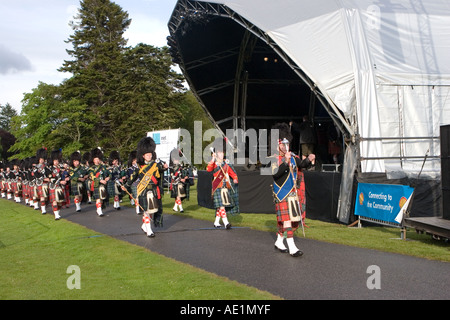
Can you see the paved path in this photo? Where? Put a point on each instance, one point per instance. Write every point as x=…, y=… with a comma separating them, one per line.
x=325, y=271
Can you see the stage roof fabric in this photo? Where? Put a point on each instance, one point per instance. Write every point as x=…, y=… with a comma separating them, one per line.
x=381, y=68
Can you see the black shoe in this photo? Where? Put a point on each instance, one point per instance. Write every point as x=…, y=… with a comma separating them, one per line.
x=297, y=254
x=281, y=250
x=151, y=236
x=228, y=226
x=217, y=227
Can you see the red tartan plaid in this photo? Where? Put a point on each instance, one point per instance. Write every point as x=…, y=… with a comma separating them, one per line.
x=282, y=210
x=52, y=196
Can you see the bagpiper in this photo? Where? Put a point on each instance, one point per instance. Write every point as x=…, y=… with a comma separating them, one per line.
x=99, y=176
x=288, y=190
x=25, y=177
x=117, y=174
x=41, y=178
x=179, y=180
x=149, y=173
x=132, y=165
x=78, y=174
x=225, y=186
x=57, y=182
x=16, y=181
x=2, y=180
x=33, y=188
x=85, y=162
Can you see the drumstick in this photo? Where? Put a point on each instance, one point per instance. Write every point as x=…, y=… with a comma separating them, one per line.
x=125, y=189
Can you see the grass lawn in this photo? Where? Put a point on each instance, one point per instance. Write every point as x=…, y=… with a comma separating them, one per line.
x=36, y=251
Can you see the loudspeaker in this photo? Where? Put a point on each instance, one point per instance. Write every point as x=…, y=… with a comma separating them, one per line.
x=445, y=170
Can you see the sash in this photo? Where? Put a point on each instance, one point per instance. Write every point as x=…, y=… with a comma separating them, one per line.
x=149, y=171
x=95, y=177
x=75, y=173
x=281, y=192
x=217, y=181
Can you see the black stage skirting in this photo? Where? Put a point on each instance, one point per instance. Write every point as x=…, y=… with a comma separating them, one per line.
x=255, y=193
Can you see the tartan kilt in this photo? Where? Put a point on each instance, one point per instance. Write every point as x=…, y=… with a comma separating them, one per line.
x=233, y=208
x=96, y=192
x=74, y=188
x=282, y=207
x=112, y=190
x=134, y=188
x=143, y=202
x=174, y=191
x=40, y=192
x=52, y=196
x=282, y=210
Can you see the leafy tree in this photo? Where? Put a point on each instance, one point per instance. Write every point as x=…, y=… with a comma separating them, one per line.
x=7, y=112
x=98, y=47
x=6, y=141
x=37, y=119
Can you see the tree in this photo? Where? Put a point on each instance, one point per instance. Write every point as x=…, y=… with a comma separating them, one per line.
x=98, y=47
x=6, y=141
x=7, y=112
x=38, y=118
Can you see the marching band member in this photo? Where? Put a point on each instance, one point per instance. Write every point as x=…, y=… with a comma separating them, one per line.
x=99, y=176
x=225, y=191
x=9, y=176
x=116, y=173
x=34, y=191
x=16, y=181
x=41, y=176
x=2, y=180
x=132, y=165
x=77, y=173
x=149, y=173
x=57, y=183
x=24, y=174
x=179, y=180
x=87, y=182
x=288, y=191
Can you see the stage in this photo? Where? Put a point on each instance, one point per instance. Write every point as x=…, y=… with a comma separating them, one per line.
x=255, y=193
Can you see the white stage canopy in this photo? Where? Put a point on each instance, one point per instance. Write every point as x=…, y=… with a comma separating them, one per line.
x=384, y=64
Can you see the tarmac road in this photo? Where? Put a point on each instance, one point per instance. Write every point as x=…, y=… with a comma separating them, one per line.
x=325, y=271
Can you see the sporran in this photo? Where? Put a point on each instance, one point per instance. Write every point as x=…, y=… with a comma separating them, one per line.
x=152, y=203
x=294, y=209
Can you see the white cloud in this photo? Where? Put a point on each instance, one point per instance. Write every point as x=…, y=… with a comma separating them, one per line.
x=13, y=62
x=33, y=33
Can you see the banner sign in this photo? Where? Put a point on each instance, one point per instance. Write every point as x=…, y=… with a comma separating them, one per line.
x=166, y=141
x=386, y=202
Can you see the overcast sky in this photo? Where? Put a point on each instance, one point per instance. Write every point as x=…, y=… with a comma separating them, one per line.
x=32, y=35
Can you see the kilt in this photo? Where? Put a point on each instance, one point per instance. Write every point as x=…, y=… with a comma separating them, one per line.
x=282, y=209
x=52, y=196
x=134, y=188
x=74, y=190
x=233, y=208
x=174, y=191
x=113, y=190
x=25, y=190
x=96, y=192
x=40, y=192
x=143, y=202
